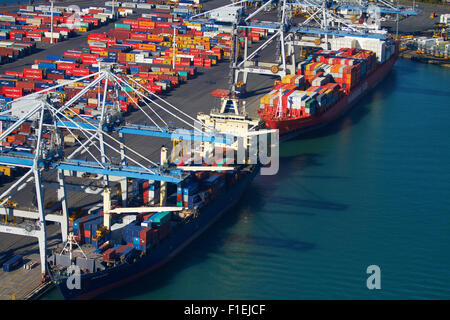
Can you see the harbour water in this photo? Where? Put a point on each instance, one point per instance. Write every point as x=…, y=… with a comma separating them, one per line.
x=372, y=189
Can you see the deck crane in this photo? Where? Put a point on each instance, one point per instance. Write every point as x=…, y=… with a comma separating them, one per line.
x=98, y=138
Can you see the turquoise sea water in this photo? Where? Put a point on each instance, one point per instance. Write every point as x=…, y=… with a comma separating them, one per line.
x=373, y=188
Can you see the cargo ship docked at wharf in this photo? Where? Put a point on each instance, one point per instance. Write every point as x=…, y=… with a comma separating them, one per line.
x=326, y=86
x=348, y=60
x=113, y=246
x=173, y=200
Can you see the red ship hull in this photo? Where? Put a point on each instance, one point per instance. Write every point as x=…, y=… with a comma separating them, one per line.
x=292, y=127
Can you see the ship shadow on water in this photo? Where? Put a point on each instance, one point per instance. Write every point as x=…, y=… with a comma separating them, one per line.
x=216, y=239
x=309, y=200
x=358, y=112
x=214, y=242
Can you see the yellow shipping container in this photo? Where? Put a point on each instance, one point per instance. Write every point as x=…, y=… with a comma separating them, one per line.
x=130, y=57
x=146, y=46
x=287, y=78
x=266, y=98
x=155, y=37
x=6, y=170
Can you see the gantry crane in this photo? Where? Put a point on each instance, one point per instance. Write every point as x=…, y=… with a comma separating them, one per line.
x=323, y=22
x=104, y=139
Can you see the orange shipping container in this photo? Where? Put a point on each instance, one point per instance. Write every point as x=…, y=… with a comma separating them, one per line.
x=75, y=110
x=148, y=47
x=146, y=24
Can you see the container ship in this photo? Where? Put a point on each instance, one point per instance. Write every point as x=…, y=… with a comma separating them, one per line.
x=326, y=85
x=111, y=249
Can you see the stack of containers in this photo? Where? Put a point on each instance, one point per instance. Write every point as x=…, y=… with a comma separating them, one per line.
x=179, y=196
x=161, y=221
x=188, y=195
x=131, y=234
x=328, y=73
x=147, y=238
x=79, y=226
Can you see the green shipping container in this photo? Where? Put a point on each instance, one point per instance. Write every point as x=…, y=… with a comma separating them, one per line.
x=79, y=24
x=161, y=218
x=183, y=73
x=122, y=26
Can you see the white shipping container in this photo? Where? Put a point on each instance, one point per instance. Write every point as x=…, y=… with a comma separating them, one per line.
x=54, y=35
x=129, y=218
x=7, y=19
x=444, y=18
x=185, y=56
x=97, y=44
x=128, y=5
x=144, y=6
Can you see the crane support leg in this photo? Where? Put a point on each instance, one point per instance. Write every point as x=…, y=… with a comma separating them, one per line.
x=42, y=234
x=163, y=189
x=62, y=198
x=124, y=191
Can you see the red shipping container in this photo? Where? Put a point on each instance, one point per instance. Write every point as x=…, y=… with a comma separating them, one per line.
x=89, y=55
x=66, y=65
x=165, y=25
x=32, y=71
x=138, y=36
x=25, y=128
x=55, y=76
x=14, y=73
x=72, y=54
x=27, y=85
x=155, y=89
x=33, y=34
x=109, y=254
x=12, y=92
x=89, y=60
x=20, y=138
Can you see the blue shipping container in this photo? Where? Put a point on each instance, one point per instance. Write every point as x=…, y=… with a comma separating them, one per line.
x=45, y=65
x=12, y=263
x=7, y=83
x=53, y=57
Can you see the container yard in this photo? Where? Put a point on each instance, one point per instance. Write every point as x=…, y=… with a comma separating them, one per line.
x=99, y=86
x=23, y=29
